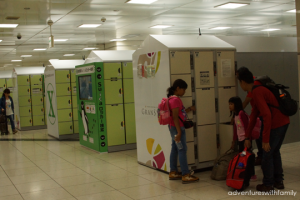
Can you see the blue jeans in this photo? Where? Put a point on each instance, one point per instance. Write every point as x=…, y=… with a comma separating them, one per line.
x=271, y=161
x=175, y=152
x=12, y=122
x=259, y=140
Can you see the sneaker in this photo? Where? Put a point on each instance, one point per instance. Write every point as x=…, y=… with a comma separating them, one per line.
x=175, y=176
x=253, y=178
x=258, y=161
x=264, y=188
x=279, y=185
x=15, y=131
x=189, y=178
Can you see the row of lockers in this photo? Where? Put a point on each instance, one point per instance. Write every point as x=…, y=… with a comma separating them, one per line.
x=6, y=83
x=30, y=80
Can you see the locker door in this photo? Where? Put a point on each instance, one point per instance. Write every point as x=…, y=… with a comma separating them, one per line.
x=24, y=101
x=187, y=102
x=128, y=90
x=130, y=123
x=23, y=80
x=74, y=89
x=64, y=115
x=180, y=62
x=25, y=111
x=127, y=70
x=224, y=95
x=189, y=135
x=225, y=137
x=36, y=90
x=37, y=100
x=188, y=79
x=112, y=70
x=2, y=83
x=76, y=127
x=115, y=125
x=74, y=102
x=205, y=105
x=62, y=76
x=113, y=91
x=226, y=68
x=204, y=69
x=64, y=102
x=25, y=121
x=24, y=90
x=207, y=143
x=190, y=152
x=75, y=114
x=38, y=120
x=73, y=76
x=9, y=83
x=63, y=89
x=36, y=79
x=65, y=128
x=38, y=110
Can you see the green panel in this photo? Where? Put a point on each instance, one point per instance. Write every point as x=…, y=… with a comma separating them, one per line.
x=74, y=89
x=127, y=70
x=73, y=76
x=113, y=91
x=75, y=114
x=112, y=70
x=36, y=90
x=9, y=82
x=24, y=90
x=63, y=89
x=62, y=76
x=38, y=110
x=38, y=120
x=26, y=121
x=130, y=123
x=65, y=128
x=63, y=102
x=76, y=127
x=115, y=124
x=37, y=100
x=36, y=79
x=25, y=111
x=24, y=101
x=2, y=83
x=74, y=102
x=64, y=115
x=23, y=80
x=128, y=90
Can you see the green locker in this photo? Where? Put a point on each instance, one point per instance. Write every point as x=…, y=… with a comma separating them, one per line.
x=26, y=121
x=74, y=89
x=63, y=102
x=113, y=91
x=38, y=120
x=3, y=83
x=75, y=114
x=45, y=112
x=23, y=80
x=76, y=127
x=62, y=76
x=25, y=111
x=74, y=101
x=128, y=90
x=130, y=123
x=38, y=110
x=115, y=124
x=112, y=70
x=37, y=100
x=63, y=89
x=9, y=82
x=36, y=79
x=24, y=101
x=73, y=76
x=64, y=115
x=24, y=90
x=36, y=90
x=127, y=70
x=65, y=128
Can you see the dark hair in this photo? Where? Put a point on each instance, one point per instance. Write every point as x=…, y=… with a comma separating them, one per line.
x=6, y=91
x=243, y=74
x=178, y=83
x=238, y=105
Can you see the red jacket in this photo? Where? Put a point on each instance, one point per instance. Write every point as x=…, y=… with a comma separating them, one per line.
x=272, y=117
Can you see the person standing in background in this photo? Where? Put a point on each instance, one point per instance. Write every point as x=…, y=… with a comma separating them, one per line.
x=7, y=108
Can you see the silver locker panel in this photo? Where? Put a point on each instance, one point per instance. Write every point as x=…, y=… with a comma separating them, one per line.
x=187, y=102
x=205, y=105
x=207, y=143
x=190, y=153
x=226, y=135
x=204, y=69
x=189, y=135
x=226, y=68
x=224, y=95
x=188, y=79
x=180, y=62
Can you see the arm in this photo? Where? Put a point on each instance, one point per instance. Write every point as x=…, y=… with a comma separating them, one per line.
x=175, y=112
x=12, y=105
x=189, y=109
x=246, y=102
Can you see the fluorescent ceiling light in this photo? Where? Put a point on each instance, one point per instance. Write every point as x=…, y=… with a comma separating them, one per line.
x=291, y=11
x=54, y=59
x=16, y=60
x=60, y=40
x=232, y=5
x=25, y=56
x=89, y=48
x=8, y=25
x=69, y=54
x=271, y=29
x=141, y=1
x=39, y=49
x=220, y=28
x=117, y=40
x=161, y=26
x=0, y=40
x=89, y=25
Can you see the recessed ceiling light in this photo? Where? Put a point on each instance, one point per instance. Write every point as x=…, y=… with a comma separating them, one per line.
x=117, y=40
x=89, y=25
x=39, y=49
x=232, y=5
x=141, y=1
x=25, y=56
x=291, y=11
x=220, y=28
x=161, y=26
x=16, y=60
x=60, y=40
x=54, y=59
x=89, y=48
x=8, y=25
x=0, y=40
x=271, y=29
x=69, y=54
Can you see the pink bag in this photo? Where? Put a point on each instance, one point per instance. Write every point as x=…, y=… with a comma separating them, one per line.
x=256, y=130
x=164, y=113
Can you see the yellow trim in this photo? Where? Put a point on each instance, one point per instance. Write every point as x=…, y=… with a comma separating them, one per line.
x=158, y=61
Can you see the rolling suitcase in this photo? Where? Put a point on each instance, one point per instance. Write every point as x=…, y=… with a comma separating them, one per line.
x=3, y=124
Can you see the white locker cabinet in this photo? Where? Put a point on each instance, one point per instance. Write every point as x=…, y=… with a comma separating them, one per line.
x=189, y=135
x=180, y=62
x=190, y=153
x=188, y=79
x=188, y=102
x=207, y=143
x=204, y=69
x=205, y=106
x=225, y=94
x=226, y=136
x=226, y=68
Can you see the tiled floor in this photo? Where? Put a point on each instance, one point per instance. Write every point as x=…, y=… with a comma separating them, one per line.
x=42, y=170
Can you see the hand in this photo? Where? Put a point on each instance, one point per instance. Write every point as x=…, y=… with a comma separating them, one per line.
x=266, y=146
x=193, y=108
x=177, y=138
x=2, y=110
x=247, y=144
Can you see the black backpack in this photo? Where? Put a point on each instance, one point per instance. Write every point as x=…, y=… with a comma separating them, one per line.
x=287, y=105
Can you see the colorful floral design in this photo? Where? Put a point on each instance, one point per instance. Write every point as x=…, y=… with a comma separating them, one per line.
x=159, y=160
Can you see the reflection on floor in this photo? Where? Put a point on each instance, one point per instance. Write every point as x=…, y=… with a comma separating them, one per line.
x=52, y=170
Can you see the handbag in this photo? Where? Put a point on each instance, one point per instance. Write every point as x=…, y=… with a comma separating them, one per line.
x=187, y=124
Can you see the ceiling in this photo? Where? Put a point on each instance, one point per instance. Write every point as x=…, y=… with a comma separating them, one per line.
x=131, y=21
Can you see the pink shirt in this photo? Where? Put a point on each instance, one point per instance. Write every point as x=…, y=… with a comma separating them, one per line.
x=240, y=126
x=175, y=102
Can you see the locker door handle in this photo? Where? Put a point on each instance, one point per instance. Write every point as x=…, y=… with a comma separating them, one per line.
x=69, y=89
x=41, y=99
x=121, y=91
x=122, y=124
x=40, y=79
x=71, y=127
x=68, y=76
x=28, y=90
x=4, y=85
x=29, y=100
x=42, y=119
x=30, y=121
x=29, y=110
x=28, y=80
x=70, y=114
x=119, y=70
x=42, y=109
